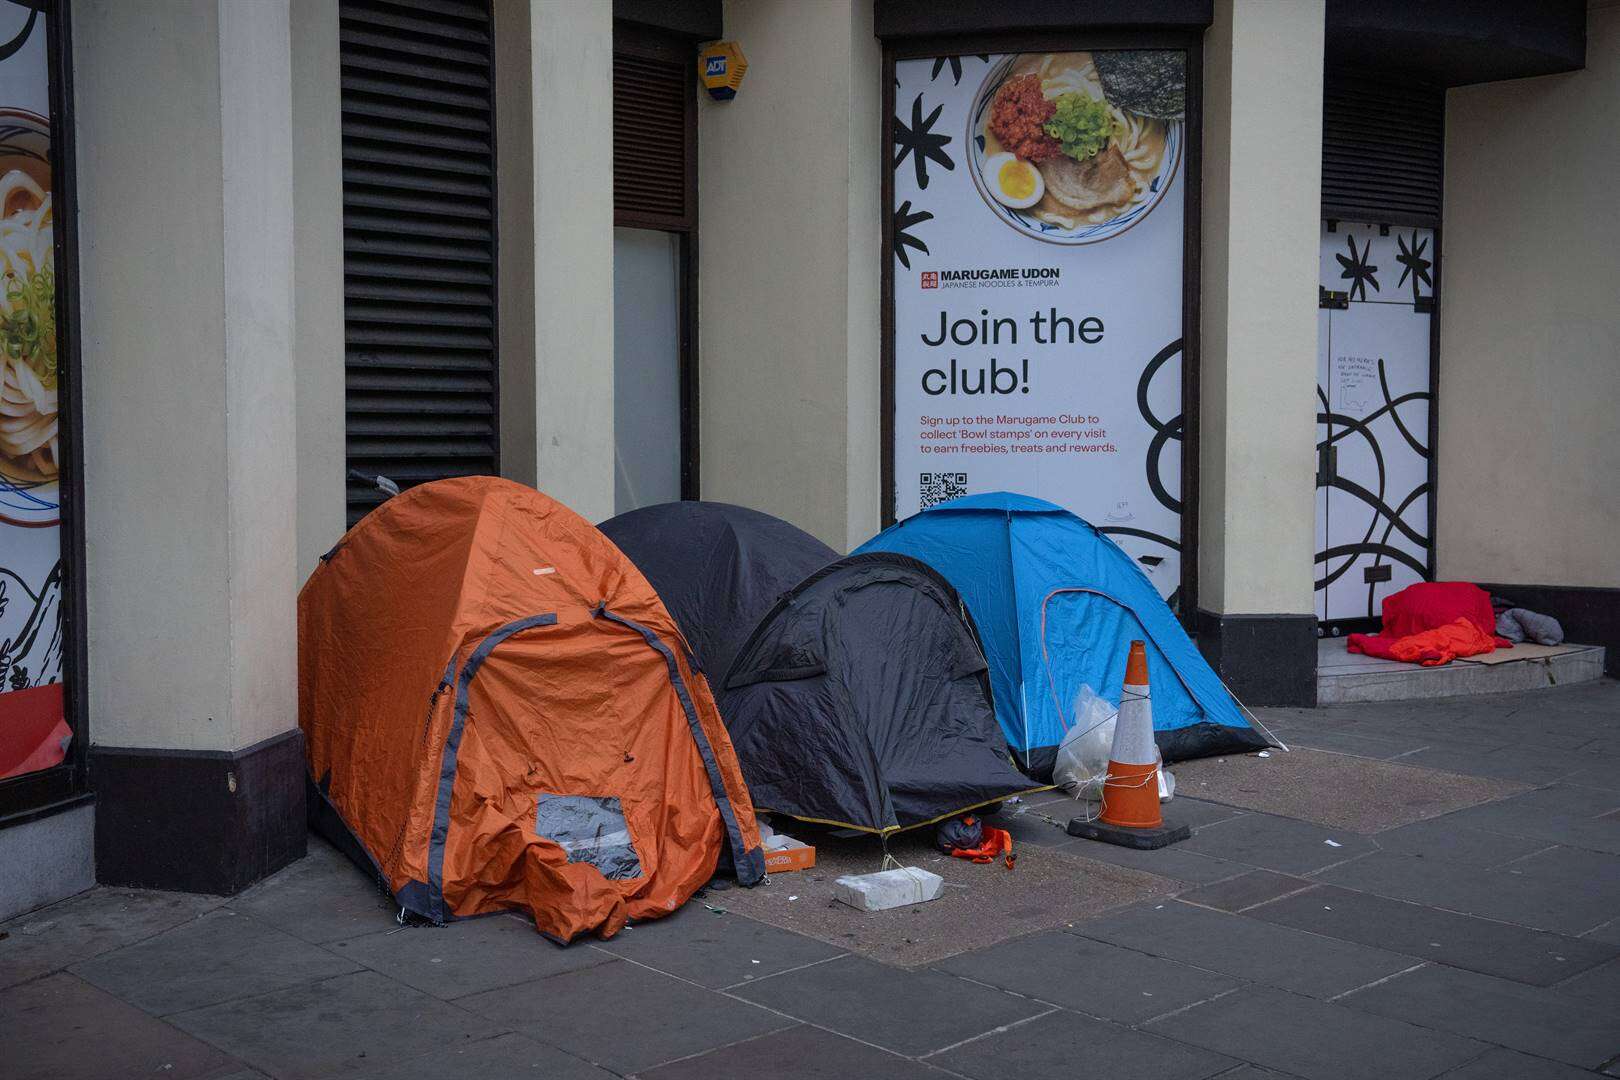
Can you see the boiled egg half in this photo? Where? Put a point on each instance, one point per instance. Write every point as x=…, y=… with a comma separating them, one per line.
x=1013, y=182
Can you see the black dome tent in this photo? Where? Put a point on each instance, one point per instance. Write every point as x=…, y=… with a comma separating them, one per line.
x=718, y=568
x=862, y=699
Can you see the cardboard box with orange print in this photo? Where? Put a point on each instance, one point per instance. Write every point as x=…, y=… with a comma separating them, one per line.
x=791, y=855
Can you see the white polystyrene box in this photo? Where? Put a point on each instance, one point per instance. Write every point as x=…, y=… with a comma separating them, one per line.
x=888, y=888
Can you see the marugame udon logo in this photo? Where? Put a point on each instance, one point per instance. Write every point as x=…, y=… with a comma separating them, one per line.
x=999, y=277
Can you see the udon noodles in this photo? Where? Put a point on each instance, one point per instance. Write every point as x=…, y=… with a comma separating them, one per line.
x=28, y=386
x=1140, y=140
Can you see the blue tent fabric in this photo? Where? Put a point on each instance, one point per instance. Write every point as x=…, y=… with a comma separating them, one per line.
x=1057, y=605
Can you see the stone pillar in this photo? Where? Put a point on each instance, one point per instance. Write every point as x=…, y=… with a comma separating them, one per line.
x=789, y=307
x=185, y=181
x=554, y=74
x=317, y=126
x=1261, y=227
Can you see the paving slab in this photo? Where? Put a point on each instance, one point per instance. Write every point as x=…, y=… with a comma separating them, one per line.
x=362, y=1020
x=1339, y=791
x=796, y=1053
x=90, y=924
x=1174, y=863
x=1465, y=941
x=1446, y=840
x=1497, y=1011
x=1314, y=1039
x=1380, y=747
x=1063, y=1044
x=1198, y=813
x=221, y=956
x=908, y=1012
x=62, y=1027
x=1559, y=801
x=1572, y=868
x=321, y=897
x=1277, y=843
x=504, y=1057
x=715, y=949
x=1245, y=890
x=1529, y=766
x=1599, y=987
x=1601, y=772
x=1048, y=824
x=1089, y=976
x=1048, y=888
x=466, y=957
x=1504, y=894
x=1500, y=1064
x=1558, y=814
x=1041, y=826
x=623, y=1017
x=1242, y=948
x=1609, y=932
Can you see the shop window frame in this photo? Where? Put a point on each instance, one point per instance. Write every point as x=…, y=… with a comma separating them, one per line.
x=634, y=39
x=48, y=791
x=1190, y=41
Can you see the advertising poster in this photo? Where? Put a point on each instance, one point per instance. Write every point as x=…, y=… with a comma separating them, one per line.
x=1037, y=234
x=33, y=731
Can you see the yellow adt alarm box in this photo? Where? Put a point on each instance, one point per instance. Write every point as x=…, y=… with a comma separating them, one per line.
x=721, y=66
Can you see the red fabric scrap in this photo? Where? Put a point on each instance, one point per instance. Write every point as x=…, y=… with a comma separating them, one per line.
x=1433, y=622
x=33, y=732
x=995, y=842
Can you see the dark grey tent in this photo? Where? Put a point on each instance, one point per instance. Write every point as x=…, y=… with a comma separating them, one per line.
x=862, y=699
x=718, y=568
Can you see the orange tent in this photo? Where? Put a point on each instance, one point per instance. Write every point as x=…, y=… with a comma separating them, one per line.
x=499, y=713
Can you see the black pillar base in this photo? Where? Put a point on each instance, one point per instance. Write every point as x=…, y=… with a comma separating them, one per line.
x=1589, y=615
x=1264, y=659
x=205, y=821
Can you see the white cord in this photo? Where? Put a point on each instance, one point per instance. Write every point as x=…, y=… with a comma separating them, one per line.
x=1278, y=743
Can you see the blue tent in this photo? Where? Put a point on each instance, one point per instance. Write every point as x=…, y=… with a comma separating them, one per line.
x=1057, y=605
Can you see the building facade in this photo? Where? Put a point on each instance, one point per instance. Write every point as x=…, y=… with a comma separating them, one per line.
x=1298, y=300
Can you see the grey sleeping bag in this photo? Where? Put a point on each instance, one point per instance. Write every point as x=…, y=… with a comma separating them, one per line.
x=1520, y=624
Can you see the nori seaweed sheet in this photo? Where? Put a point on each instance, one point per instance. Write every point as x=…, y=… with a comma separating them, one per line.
x=1148, y=82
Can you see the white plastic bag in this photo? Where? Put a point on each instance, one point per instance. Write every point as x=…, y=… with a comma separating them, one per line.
x=1082, y=757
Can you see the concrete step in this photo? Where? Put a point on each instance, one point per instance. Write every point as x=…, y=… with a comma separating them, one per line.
x=1343, y=677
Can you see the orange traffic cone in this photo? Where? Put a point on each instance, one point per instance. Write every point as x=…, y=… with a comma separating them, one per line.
x=1130, y=803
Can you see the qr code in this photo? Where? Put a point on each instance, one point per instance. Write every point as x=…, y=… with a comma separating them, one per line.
x=938, y=487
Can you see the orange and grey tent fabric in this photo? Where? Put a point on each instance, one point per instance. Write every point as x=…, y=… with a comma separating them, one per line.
x=500, y=714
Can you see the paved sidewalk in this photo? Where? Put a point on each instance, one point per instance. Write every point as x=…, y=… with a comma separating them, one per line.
x=1476, y=943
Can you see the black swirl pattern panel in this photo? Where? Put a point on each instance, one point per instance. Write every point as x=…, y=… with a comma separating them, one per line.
x=1374, y=498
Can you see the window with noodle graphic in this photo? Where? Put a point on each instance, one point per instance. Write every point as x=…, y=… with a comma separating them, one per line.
x=34, y=733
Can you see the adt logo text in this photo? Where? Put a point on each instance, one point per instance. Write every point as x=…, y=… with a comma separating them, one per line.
x=930, y=279
x=717, y=66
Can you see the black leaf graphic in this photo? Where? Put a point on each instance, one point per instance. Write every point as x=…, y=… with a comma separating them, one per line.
x=956, y=66
x=1358, y=270
x=1413, y=263
x=904, y=219
x=921, y=142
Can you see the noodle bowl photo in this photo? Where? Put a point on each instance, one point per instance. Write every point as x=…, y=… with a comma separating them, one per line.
x=29, y=464
x=1075, y=148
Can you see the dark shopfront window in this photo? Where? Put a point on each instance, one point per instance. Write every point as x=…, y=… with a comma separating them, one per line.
x=42, y=735
x=654, y=256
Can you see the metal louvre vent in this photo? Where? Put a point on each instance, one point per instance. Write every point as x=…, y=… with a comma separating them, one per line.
x=651, y=95
x=1383, y=148
x=418, y=241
